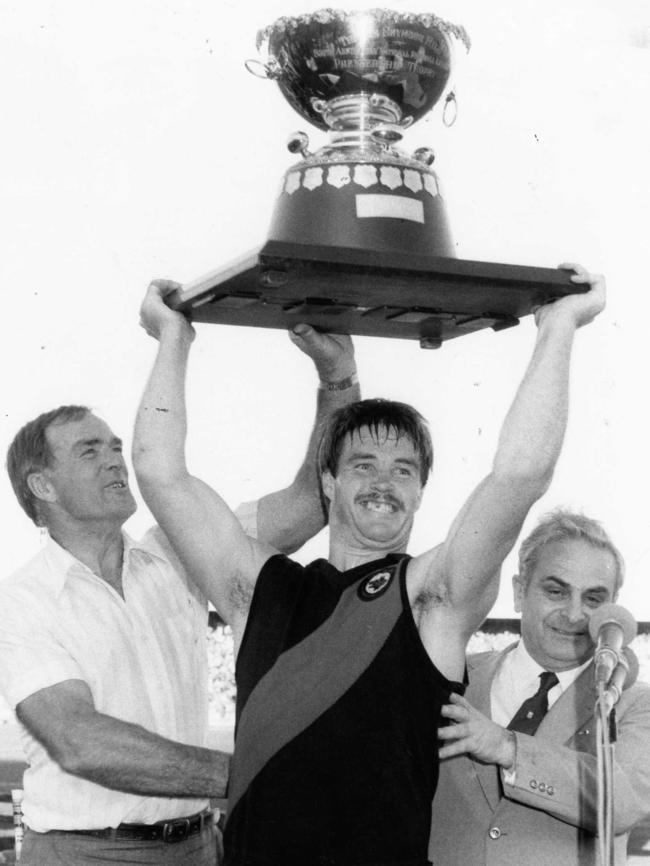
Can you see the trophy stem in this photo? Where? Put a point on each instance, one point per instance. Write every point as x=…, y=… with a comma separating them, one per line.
x=371, y=141
x=359, y=111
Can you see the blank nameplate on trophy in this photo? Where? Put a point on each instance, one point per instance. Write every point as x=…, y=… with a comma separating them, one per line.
x=389, y=206
x=355, y=291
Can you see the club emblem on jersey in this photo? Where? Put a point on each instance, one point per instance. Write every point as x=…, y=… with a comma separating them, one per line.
x=375, y=585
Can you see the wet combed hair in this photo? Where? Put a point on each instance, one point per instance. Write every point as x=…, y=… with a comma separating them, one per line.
x=376, y=415
x=563, y=525
x=30, y=452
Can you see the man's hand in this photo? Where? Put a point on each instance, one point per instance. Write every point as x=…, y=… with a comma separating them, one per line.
x=333, y=354
x=156, y=316
x=474, y=734
x=582, y=308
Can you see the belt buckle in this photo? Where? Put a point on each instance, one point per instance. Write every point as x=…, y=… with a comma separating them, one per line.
x=176, y=831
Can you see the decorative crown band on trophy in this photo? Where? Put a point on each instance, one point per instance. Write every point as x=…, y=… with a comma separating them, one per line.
x=359, y=240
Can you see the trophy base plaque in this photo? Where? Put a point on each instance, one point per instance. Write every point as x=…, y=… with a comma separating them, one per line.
x=370, y=293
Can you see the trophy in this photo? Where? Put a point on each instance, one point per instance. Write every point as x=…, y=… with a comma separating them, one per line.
x=359, y=240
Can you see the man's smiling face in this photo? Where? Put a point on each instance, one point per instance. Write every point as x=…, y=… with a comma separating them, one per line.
x=377, y=488
x=572, y=579
x=88, y=474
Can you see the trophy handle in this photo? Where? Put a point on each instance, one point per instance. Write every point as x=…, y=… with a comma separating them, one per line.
x=270, y=71
x=450, y=111
x=387, y=133
x=299, y=143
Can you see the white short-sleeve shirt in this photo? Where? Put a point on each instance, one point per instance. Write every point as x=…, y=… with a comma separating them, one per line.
x=142, y=656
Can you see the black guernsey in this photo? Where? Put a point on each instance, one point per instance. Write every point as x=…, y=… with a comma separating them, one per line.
x=353, y=783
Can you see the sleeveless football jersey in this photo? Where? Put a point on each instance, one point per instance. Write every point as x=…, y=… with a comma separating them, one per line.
x=338, y=706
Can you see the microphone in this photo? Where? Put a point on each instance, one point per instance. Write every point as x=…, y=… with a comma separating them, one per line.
x=625, y=674
x=611, y=627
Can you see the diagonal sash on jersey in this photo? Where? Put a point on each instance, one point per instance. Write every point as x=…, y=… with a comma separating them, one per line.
x=309, y=678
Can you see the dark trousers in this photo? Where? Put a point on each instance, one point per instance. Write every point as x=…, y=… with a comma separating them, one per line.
x=72, y=849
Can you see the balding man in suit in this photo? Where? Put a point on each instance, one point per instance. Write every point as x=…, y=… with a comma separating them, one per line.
x=506, y=796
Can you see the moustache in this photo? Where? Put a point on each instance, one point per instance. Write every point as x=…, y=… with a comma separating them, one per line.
x=387, y=498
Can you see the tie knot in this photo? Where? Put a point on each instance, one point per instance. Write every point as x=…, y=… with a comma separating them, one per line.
x=546, y=682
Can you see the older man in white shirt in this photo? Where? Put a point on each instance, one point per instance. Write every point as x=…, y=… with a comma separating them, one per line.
x=103, y=645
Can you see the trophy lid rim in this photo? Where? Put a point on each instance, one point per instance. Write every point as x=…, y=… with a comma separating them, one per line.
x=322, y=15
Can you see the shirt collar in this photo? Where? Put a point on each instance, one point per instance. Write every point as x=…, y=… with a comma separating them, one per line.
x=61, y=563
x=526, y=667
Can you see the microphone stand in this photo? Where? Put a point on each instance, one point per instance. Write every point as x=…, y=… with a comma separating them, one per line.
x=605, y=739
x=611, y=628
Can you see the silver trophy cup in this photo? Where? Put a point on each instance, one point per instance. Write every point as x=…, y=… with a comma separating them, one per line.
x=364, y=77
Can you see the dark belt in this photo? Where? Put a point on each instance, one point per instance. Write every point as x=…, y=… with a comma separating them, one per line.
x=162, y=831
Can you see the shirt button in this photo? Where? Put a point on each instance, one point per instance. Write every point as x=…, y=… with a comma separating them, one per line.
x=542, y=787
x=533, y=784
x=550, y=790
x=494, y=832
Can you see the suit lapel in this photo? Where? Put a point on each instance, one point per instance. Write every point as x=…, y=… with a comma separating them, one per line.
x=481, y=672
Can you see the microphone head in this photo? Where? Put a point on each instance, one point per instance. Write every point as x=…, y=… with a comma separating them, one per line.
x=616, y=615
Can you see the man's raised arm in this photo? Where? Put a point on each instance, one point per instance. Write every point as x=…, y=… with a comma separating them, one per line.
x=285, y=519
x=463, y=573
x=206, y=535
x=288, y=518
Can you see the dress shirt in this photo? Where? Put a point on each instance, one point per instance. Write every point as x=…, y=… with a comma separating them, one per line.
x=144, y=658
x=518, y=679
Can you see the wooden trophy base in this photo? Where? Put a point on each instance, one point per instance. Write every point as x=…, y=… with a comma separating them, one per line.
x=381, y=294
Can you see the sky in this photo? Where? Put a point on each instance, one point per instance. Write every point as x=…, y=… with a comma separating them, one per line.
x=136, y=145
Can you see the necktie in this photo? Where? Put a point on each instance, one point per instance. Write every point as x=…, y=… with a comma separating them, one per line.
x=530, y=714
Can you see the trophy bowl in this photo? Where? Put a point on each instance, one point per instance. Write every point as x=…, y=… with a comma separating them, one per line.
x=324, y=56
x=364, y=77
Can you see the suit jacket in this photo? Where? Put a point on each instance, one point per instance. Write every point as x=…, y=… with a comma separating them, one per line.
x=547, y=817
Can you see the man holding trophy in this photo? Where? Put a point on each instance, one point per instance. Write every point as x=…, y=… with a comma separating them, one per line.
x=343, y=666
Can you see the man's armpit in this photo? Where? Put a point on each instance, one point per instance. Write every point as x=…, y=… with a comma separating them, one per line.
x=241, y=594
x=431, y=596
